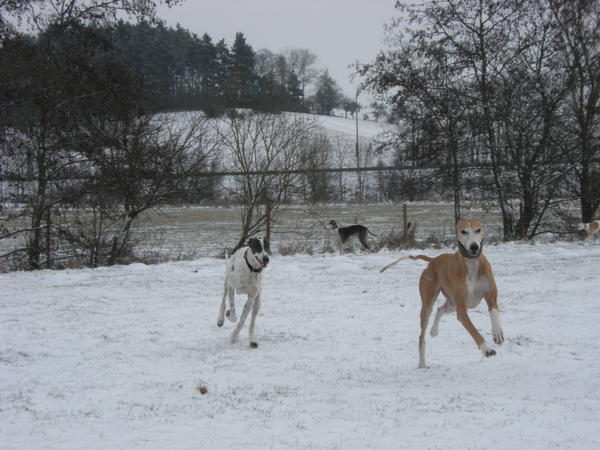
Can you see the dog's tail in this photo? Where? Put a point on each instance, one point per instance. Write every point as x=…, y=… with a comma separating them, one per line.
x=369, y=231
x=423, y=257
x=394, y=263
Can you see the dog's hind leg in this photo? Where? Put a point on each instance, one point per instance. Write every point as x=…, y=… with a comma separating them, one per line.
x=425, y=313
x=255, y=308
x=231, y=311
x=221, y=317
x=362, y=238
x=429, y=292
x=240, y=324
x=446, y=308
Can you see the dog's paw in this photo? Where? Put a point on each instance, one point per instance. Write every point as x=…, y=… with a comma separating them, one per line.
x=434, y=331
x=498, y=337
x=253, y=344
x=487, y=351
x=220, y=322
x=231, y=316
x=233, y=339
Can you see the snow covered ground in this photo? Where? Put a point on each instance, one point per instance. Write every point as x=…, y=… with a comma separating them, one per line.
x=116, y=358
x=366, y=128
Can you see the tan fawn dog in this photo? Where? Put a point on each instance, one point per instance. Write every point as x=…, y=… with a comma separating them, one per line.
x=590, y=230
x=464, y=278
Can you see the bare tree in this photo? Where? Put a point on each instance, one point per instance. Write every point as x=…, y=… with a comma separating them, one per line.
x=49, y=83
x=578, y=24
x=46, y=89
x=144, y=162
x=317, y=158
x=39, y=14
x=265, y=147
x=301, y=62
x=341, y=155
x=483, y=81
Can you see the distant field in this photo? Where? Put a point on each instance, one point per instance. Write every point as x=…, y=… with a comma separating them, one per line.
x=186, y=232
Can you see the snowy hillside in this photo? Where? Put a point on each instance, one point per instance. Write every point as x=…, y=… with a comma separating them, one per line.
x=116, y=358
x=366, y=128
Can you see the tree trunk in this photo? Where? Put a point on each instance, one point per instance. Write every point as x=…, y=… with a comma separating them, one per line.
x=455, y=178
x=121, y=239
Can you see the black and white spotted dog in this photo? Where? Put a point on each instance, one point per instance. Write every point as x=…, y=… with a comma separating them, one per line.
x=344, y=234
x=243, y=274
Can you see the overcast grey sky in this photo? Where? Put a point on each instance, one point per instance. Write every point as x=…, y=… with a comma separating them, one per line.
x=339, y=32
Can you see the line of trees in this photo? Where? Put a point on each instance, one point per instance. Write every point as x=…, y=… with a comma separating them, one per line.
x=79, y=124
x=513, y=84
x=186, y=71
x=82, y=123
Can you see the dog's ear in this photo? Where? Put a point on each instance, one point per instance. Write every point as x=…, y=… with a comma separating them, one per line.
x=267, y=245
x=254, y=245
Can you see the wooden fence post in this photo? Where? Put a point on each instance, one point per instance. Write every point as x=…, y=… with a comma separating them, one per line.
x=269, y=214
x=48, y=236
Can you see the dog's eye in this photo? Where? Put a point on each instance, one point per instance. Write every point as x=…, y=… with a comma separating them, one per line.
x=478, y=230
x=463, y=231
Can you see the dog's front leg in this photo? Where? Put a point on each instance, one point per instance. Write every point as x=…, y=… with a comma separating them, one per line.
x=340, y=245
x=491, y=300
x=240, y=324
x=231, y=312
x=496, y=328
x=255, y=308
x=463, y=317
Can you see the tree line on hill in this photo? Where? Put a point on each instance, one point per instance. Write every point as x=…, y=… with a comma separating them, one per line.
x=178, y=70
x=85, y=128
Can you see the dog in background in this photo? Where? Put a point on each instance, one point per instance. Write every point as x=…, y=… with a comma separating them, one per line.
x=344, y=234
x=243, y=274
x=590, y=230
x=464, y=278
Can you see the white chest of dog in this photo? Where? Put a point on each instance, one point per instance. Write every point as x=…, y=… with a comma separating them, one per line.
x=243, y=275
x=477, y=284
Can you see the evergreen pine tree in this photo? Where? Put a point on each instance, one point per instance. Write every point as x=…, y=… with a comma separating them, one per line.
x=328, y=94
x=241, y=72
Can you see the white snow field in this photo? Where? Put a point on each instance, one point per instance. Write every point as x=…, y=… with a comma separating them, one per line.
x=116, y=358
x=366, y=128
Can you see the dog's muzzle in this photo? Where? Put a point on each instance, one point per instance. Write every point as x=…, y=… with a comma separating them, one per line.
x=473, y=251
x=264, y=262
x=582, y=233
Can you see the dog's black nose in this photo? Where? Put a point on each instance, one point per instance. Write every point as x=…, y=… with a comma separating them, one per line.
x=265, y=260
x=474, y=247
